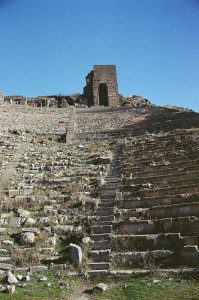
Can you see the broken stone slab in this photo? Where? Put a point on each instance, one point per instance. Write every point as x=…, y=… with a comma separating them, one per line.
x=190, y=251
x=23, y=213
x=76, y=254
x=19, y=277
x=52, y=240
x=65, y=229
x=27, y=191
x=39, y=268
x=119, y=196
x=30, y=222
x=86, y=241
x=101, y=287
x=11, y=278
x=57, y=267
x=27, y=237
x=5, y=266
x=7, y=242
x=11, y=289
x=15, y=222
x=43, y=278
x=13, y=193
x=6, y=215
x=31, y=229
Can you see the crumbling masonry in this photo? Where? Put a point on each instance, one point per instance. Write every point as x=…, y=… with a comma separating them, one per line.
x=102, y=87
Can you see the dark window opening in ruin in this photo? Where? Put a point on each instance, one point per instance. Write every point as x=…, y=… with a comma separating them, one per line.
x=103, y=94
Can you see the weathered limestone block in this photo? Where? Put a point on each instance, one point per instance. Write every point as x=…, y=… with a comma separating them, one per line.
x=11, y=278
x=190, y=255
x=29, y=222
x=27, y=238
x=100, y=287
x=190, y=252
x=76, y=254
x=50, y=210
x=15, y=222
x=31, y=229
x=53, y=241
x=11, y=289
x=86, y=241
x=23, y=213
x=63, y=229
x=13, y=193
x=7, y=242
x=27, y=191
x=119, y=196
x=138, y=227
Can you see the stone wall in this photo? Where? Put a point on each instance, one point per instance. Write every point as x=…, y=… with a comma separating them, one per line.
x=106, y=75
x=39, y=120
x=1, y=98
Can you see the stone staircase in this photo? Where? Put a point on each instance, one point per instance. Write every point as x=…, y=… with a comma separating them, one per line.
x=70, y=135
x=102, y=221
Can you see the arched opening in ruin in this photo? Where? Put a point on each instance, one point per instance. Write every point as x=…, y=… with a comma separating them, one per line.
x=103, y=94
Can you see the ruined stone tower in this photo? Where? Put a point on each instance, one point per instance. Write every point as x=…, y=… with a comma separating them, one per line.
x=102, y=86
x=1, y=98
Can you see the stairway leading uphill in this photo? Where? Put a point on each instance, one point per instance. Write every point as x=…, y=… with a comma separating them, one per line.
x=102, y=222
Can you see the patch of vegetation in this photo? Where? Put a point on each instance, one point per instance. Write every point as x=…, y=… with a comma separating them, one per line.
x=61, y=287
x=149, y=288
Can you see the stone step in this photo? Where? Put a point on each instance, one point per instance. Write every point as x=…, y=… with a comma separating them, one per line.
x=106, y=204
x=163, y=184
x=105, y=211
x=106, y=200
x=158, y=178
x=97, y=273
x=112, y=179
x=100, y=237
x=108, y=196
x=102, y=222
x=158, y=158
x=160, y=211
x=163, y=169
x=169, y=191
x=3, y=251
x=106, y=190
x=99, y=266
x=168, y=241
x=100, y=255
x=108, y=218
x=157, y=201
x=129, y=272
x=96, y=229
x=101, y=245
x=5, y=259
x=141, y=272
x=185, y=225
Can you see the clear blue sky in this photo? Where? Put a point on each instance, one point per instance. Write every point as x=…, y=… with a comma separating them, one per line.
x=49, y=46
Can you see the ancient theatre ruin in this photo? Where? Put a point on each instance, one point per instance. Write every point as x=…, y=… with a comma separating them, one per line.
x=98, y=183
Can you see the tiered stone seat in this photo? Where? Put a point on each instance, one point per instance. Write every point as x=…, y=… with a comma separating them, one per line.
x=101, y=124
x=156, y=222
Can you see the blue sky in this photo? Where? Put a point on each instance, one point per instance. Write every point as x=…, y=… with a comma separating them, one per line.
x=49, y=46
